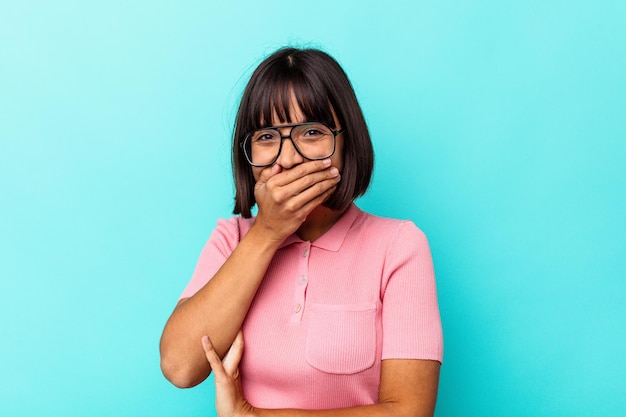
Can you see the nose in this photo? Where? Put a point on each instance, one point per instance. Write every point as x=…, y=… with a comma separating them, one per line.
x=289, y=156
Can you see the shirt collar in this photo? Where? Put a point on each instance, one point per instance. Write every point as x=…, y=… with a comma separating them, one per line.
x=334, y=237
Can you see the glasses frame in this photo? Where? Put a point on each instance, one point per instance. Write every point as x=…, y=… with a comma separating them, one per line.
x=288, y=136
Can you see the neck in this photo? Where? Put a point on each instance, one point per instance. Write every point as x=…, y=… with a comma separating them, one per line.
x=318, y=222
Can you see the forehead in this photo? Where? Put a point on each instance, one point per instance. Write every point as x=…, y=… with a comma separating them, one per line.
x=293, y=113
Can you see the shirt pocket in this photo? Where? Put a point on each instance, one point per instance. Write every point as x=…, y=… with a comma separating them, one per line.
x=341, y=339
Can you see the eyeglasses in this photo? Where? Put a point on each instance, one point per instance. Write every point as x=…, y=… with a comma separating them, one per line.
x=312, y=140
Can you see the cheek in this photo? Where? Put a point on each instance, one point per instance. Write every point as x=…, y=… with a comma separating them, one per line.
x=337, y=158
x=256, y=173
x=337, y=162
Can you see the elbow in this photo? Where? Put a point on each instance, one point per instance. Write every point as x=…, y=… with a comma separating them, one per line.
x=178, y=374
x=175, y=374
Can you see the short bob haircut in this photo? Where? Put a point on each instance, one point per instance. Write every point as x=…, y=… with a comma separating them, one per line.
x=321, y=87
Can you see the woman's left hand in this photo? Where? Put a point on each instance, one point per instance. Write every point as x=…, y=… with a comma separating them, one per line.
x=229, y=399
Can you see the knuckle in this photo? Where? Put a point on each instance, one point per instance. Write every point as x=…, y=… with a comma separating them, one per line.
x=300, y=170
x=300, y=217
x=321, y=186
x=279, y=196
x=291, y=206
x=308, y=180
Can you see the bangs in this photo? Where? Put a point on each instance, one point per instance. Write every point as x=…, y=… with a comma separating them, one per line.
x=272, y=97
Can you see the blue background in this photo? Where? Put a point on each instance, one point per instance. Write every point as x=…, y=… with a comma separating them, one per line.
x=498, y=127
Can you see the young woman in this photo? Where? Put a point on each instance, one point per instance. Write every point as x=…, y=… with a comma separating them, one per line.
x=337, y=307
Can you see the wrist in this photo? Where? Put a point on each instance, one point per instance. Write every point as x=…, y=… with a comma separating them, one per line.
x=264, y=236
x=250, y=411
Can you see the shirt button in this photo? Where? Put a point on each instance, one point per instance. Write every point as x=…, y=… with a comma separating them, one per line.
x=302, y=280
x=298, y=308
x=306, y=252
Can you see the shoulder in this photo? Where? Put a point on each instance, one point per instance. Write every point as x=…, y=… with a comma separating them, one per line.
x=235, y=225
x=394, y=231
x=228, y=232
x=397, y=243
x=407, y=259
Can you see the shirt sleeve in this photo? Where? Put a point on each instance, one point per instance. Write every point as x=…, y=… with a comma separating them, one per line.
x=218, y=248
x=410, y=312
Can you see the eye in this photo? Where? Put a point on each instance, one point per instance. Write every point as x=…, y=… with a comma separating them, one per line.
x=264, y=136
x=313, y=132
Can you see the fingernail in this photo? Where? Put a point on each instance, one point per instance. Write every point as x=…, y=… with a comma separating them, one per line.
x=205, y=339
x=326, y=162
x=334, y=171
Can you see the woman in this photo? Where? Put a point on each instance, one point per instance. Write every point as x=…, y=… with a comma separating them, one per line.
x=338, y=308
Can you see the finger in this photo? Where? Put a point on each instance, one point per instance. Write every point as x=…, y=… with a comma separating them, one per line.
x=299, y=171
x=304, y=183
x=315, y=192
x=301, y=184
x=213, y=358
x=310, y=205
x=233, y=356
x=268, y=173
x=303, y=205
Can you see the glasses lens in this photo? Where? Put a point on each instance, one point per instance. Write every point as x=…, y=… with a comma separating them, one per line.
x=314, y=140
x=262, y=146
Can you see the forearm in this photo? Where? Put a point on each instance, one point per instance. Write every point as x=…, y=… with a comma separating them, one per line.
x=374, y=410
x=217, y=310
x=407, y=388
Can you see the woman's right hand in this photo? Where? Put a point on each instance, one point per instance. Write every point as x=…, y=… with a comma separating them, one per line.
x=286, y=197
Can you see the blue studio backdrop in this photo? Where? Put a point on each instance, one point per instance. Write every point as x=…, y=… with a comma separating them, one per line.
x=498, y=128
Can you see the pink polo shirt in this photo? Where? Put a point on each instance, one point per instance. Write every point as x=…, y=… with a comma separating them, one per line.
x=328, y=312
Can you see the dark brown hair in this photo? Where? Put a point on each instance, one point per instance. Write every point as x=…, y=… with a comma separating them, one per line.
x=321, y=87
